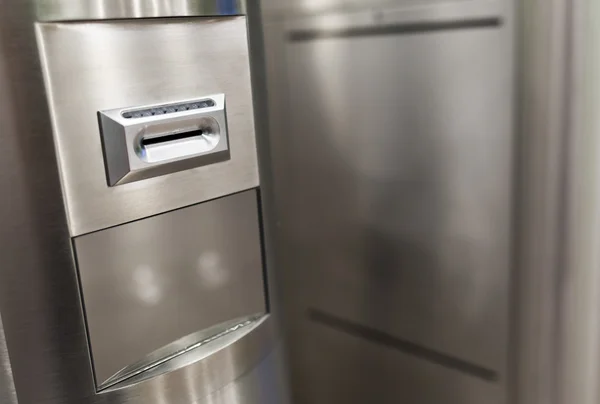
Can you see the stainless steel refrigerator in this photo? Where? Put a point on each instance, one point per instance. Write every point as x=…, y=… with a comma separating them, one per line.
x=409, y=188
x=135, y=253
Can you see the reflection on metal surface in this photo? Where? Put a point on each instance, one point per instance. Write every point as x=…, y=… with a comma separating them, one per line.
x=253, y=387
x=204, y=343
x=190, y=58
x=140, y=283
x=7, y=386
x=65, y=10
x=146, y=285
x=211, y=366
x=211, y=270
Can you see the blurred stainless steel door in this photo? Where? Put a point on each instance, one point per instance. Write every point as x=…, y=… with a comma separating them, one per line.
x=395, y=194
x=404, y=147
x=432, y=177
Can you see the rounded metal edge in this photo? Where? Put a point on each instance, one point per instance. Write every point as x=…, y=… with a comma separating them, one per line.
x=185, y=351
x=542, y=108
x=201, y=378
x=578, y=333
x=77, y=10
x=268, y=212
x=8, y=394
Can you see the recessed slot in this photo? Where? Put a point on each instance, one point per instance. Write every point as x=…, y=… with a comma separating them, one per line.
x=155, y=147
x=171, y=137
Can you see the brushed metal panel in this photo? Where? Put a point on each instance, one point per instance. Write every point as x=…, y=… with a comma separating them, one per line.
x=264, y=384
x=39, y=294
x=149, y=283
x=400, y=185
x=94, y=66
x=64, y=10
x=46, y=336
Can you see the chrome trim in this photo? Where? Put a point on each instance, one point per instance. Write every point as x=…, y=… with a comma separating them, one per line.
x=71, y=10
x=253, y=337
x=199, y=341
